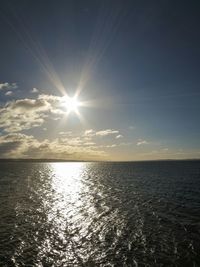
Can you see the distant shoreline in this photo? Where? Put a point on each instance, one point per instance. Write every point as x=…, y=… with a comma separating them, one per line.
x=39, y=160
x=108, y=161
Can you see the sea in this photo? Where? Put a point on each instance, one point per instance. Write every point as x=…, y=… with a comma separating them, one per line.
x=100, y=214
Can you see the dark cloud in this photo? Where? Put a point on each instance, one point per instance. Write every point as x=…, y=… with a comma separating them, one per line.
x=8, y=147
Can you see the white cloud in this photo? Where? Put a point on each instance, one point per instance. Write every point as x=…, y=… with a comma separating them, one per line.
x=107, y=132
x=51, y=98
x=142, y=142
x=111, y=146
x=119, y=136
x=102, y=133
x=34, y=91
x=29, y=104
x=23, y=114
x=17, y=145
x=67, y=133
x=8, y=93
x=8, y=86
x=89, y=133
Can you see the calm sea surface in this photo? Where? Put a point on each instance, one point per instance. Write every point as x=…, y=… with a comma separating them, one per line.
x=100, y=214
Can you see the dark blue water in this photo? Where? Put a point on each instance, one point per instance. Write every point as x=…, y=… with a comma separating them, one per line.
x=100, y=214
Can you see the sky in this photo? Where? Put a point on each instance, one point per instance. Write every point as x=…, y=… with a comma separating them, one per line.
x=100, y=80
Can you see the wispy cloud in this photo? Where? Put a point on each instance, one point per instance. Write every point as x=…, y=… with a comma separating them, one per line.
x=8, y=93
x=142, y=142
x=119, y=136
x=34, y=91
x=101, y=133
x=107, y=132
x=89, y=133
x=8, y=86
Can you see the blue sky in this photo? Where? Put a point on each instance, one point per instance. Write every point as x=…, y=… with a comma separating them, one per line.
x=135, y=63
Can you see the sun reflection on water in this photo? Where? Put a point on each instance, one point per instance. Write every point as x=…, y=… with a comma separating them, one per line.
x=63, y=206
x=76, y=215
x=67, y=176
x=67, y=184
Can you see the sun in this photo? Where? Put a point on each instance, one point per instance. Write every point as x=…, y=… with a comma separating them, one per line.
x=71, y=104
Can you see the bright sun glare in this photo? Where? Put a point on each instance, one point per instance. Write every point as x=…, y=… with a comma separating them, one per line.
x=71, y=103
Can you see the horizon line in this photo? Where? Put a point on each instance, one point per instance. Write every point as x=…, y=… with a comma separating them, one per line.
x=71, y=160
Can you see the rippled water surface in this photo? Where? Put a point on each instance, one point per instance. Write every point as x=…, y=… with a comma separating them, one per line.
x=100, y=214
